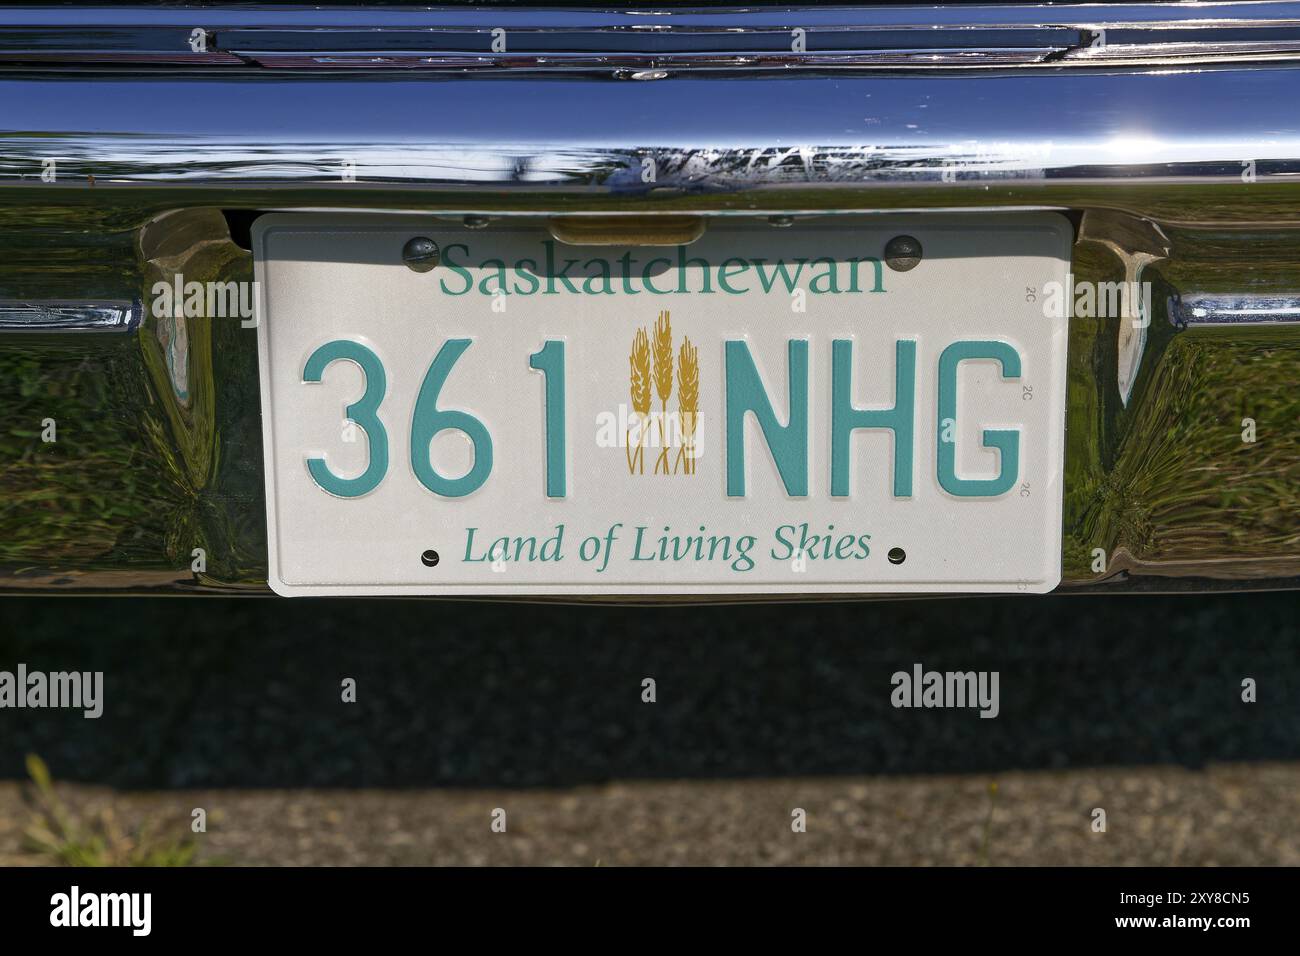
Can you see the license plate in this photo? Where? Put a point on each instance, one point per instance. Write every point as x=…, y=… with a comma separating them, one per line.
x=762, y=410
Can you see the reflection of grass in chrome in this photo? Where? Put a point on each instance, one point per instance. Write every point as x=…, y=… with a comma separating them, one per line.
x=74, y=498
x=1184, y=485
x=141, y=473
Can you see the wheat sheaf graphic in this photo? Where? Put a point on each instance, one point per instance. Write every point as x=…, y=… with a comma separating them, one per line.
x=688, y=403
x=663, y=383
x=651, y=368
x=639, y=361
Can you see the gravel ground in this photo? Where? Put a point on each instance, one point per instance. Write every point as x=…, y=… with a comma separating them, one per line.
x=1131, y=704
x=1230, y=815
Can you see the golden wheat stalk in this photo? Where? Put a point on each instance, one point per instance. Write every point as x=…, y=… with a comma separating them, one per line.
x=688, y=401
x=639, y=361
x=663, y=382
x=664, y=357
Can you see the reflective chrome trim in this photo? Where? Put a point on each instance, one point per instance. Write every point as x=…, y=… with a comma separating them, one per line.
x=616, y=64
x=859, y=143
x=70, y=316
x=1208, y=310
x=476, y=39
x=502, y=137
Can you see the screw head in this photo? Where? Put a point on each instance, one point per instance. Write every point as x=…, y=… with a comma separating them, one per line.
x=903, y=253
x=421, y=254
x=897, y=555
x=430, y=558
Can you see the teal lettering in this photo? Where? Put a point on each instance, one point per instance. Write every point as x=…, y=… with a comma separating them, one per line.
x=683, y=267
x=879, y=270
x=646, y=277
x=744, y=394
x=830, y=277
x=1006, y=441
x=457, y=268
x=529, y=273
x=727, y=269
x=500, y=277
x=562, y=274
x=602, y=274
x=790, y=281
x=845, y=417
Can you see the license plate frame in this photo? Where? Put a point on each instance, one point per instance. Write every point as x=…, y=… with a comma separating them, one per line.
x=973, y=265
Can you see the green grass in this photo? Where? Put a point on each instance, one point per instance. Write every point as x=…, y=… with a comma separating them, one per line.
x=67, y=839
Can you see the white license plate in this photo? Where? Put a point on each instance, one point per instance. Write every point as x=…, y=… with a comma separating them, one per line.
x=763, y=410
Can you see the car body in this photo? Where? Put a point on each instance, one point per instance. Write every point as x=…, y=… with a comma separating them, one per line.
x=139, y=144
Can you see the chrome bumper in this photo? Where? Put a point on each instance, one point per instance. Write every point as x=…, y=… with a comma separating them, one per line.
x=1174, y=146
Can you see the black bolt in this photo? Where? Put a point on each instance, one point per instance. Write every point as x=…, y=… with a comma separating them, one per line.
x=902, y=253
x=897, y=555
x=421, y=254
x=430, y=558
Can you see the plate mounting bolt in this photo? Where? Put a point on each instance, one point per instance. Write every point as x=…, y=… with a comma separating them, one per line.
x=421, y=254
x=902, y=253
